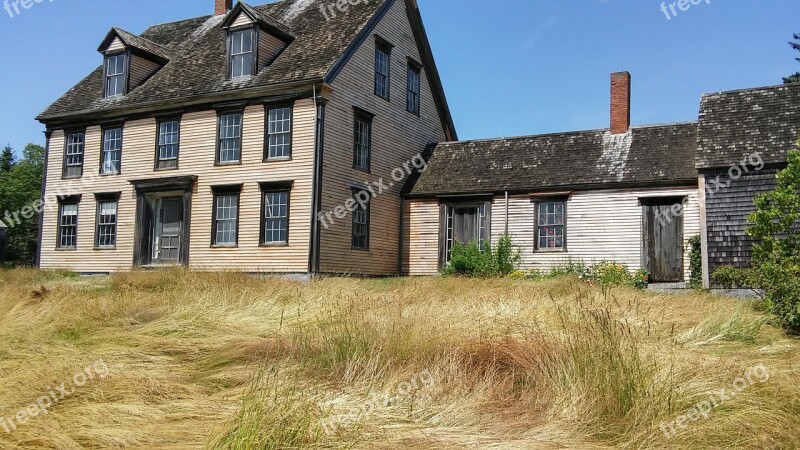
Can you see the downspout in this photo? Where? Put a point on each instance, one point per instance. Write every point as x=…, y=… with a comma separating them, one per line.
x=43, y=197
x=319, y=143
x=506, y=232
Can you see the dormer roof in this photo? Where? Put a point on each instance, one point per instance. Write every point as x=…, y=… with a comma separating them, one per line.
x=145, y=47
x=264, y=21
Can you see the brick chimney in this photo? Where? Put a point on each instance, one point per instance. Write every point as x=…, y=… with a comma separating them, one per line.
x=222, y=7
x=620, y=102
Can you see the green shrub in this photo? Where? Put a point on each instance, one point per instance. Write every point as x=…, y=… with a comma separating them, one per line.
x=729, y=277
x=696, y=262
x=469, y=260
x=776, y=255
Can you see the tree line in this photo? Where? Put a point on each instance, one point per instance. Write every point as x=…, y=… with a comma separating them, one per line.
x=21, y=186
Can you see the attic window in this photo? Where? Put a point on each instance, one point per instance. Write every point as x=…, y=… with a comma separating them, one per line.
x=241, y=51
x=115, y=68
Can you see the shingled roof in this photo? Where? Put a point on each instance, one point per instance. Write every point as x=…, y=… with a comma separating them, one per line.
x=196, y=49
x=736, y=124
x=645, y=156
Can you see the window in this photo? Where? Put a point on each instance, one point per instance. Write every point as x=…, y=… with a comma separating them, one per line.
x=241, y=53
x=413, y=98
x=362, y=145
x=115, y=75
x=68, y=224
x=168, y=143
x=112, y=151
x=226, y=216
x=230, y=138
x=73, y=155
x=275, y=223
x=279, y=133
x=383, y=52
x=361, y=220
x=106, y=223
x=550, y=225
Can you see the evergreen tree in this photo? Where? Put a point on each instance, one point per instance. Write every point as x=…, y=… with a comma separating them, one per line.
x=7, y=159
x=796, y=77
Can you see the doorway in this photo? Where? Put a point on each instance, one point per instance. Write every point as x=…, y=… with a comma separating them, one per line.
x=662, y=241
x=167, y=231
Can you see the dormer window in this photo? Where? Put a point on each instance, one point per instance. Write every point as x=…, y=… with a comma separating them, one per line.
x=115, y=75
x=241, y=53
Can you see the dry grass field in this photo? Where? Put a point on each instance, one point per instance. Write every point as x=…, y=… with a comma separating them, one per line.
x=174, y=359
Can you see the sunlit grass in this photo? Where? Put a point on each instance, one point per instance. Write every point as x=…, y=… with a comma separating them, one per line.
x=224, y=360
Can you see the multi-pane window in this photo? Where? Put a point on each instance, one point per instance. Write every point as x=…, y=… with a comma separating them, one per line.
x=73, y=154
x=226, y=218
x=550, y=225
x=68, y=225
x=361, y=222
x=115, y=75
x=362, y=143
x=242, y=53
x=168, y=142
x=276, y=217
x=112, y=151
x=382, y=67
x=412, y=100
x=230, y=138
x=279, y=133
x=106, y=223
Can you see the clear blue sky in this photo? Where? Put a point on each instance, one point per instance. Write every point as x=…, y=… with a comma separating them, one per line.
x=509, y=67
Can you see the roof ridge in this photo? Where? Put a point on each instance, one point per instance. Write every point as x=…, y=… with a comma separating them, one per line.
x=566, y=133
x=754, y=89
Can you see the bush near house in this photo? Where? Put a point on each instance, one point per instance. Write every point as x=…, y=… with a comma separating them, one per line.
x=776, y=255
x=471, y=261
x=696, y=262
x=604, y=273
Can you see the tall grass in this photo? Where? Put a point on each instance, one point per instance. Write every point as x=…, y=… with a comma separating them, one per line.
x=224, y=360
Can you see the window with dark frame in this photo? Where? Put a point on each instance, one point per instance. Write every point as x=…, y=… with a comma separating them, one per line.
x=112, y=151
x=115, y=75
x=279, y=132
x=362, y=141
x=551, y=225
x=106, y=235
x=168, y=144
x=241, y=50
x=226, y=216
x=275, y=216
x=383, y=58
x=230, y=138
x=413, y=97
x=361, y=212
x=67, y=225
x=73, y=154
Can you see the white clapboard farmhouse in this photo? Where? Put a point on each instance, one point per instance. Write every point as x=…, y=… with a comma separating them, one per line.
x=296, y=138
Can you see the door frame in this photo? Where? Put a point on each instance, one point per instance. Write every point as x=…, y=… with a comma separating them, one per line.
x=462, y=203
x=146, y=192
x=648, y=202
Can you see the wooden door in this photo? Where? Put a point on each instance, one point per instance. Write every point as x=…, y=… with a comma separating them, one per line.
x=662, y=250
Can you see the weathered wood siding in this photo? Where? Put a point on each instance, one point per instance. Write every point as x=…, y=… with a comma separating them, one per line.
x=115, y=45
x=728, y=205
x=141, y=70
x=241, y=20
x=421, y=237
x=268, y=47
x=601, y=225
x=397, y=137
x=197, y=156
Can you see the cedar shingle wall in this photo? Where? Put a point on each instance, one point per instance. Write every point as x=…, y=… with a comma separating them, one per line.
x=726, y=213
